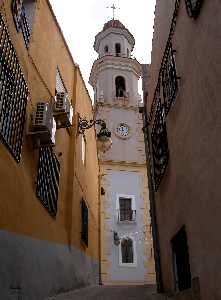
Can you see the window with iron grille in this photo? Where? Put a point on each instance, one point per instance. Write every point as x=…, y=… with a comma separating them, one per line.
x=169, y=78
x=84, y=222
x=23, y=13
x=193, y=7
x=127, y=251
x=48, y=179
x=60, y=87
x=13, y=95
x=159, y=144
x=126, y=213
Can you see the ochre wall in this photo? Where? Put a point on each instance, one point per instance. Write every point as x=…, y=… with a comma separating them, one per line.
x=21, y=210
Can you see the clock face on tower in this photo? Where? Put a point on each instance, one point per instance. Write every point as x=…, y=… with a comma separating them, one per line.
x=123, y=130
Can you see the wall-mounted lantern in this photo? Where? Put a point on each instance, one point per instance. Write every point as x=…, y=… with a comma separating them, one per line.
x=116, y=238
x=104, y=141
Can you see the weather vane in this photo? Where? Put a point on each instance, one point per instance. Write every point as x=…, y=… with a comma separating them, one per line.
x=113, y=7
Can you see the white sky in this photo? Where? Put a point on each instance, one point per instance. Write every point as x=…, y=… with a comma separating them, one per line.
x=81, y=20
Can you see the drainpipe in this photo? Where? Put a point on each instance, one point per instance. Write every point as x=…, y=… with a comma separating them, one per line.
x=99, y=224
x=155, y=232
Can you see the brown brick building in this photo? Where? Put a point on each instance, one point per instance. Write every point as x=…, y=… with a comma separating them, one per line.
x=182, y=128
x=48, y=181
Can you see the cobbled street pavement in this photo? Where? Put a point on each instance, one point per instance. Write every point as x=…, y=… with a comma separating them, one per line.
x=111, y=293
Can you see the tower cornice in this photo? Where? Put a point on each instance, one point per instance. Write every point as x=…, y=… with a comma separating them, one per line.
x=118, y=62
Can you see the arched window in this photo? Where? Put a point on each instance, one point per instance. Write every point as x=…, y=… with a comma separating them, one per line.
x=106, y=49
x=127, y=251
x=120, y=86
x=117, y=49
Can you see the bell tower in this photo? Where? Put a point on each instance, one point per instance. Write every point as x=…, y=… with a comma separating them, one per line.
x=125, y=222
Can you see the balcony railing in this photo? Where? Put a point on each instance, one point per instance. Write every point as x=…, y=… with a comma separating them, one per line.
x=13, y=95
x=193, y=7
x=126, y=215
x=21, y=22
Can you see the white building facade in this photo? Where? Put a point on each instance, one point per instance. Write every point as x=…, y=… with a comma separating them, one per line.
x=126, y=240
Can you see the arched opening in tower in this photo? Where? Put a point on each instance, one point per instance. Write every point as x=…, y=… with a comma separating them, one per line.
x=117, y=49
x=120, y=86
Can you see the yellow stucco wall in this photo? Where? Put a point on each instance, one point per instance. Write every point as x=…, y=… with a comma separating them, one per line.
x=20, y=210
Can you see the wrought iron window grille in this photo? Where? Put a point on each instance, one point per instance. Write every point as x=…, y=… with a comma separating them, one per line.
x=159, y=145
x=193, y=7
x=48, y=179
x=13, y=95
x=169, y=78
x=84, y=222
x=20, y=20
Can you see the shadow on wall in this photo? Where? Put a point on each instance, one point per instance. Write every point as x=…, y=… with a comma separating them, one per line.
x=34, y=269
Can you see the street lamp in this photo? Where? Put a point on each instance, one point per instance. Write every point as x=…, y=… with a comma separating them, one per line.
x=104, y=141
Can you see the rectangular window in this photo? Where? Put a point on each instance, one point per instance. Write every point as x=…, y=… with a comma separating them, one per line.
x=181, y=263
x=127, y=252
x=126, y=208
x=13, y=95
x=60, y=87
x=83, y=149
x=193, y=7
x=48, y=179
x=23, y=13
x=84, y=222
x=126, y=212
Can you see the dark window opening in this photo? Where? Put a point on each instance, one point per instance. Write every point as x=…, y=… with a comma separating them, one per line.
x=106, y=49
x=84, y=222
x=128, y=53
x=120, y=86
x=117, y=49
x=181, y=263
x=48, y=179
x=23, y=14
x=193, y=7
x=127, y=251
x=126, y=213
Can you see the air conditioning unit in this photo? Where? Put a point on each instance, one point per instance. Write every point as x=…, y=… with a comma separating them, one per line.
x=43, y=125
x=63, y=110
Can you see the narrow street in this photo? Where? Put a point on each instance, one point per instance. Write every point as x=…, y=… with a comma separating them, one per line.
x=111, y=293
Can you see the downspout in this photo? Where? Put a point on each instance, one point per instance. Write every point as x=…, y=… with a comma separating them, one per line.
x=153, y=215
x=99, y=224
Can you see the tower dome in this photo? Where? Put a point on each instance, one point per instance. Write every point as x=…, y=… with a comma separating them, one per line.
x=113, y=23
x=113, y=27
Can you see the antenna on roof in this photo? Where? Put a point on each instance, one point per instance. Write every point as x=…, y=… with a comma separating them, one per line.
x=113, y=7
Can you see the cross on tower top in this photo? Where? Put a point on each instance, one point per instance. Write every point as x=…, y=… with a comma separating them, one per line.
x=113, y=7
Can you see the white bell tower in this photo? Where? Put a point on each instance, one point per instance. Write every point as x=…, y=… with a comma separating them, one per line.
x=125, y=222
